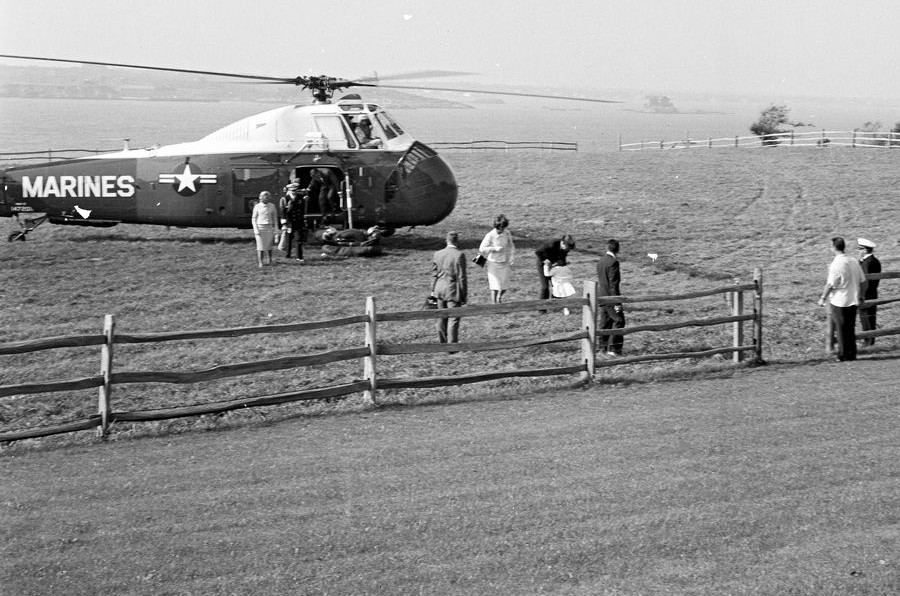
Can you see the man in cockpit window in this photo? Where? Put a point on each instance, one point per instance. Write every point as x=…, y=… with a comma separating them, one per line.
x=363, y=132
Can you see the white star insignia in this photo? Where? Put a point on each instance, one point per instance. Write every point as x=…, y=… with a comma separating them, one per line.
x=187, y=178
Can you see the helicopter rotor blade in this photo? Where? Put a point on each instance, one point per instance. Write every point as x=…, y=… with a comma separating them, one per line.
x=322, y=83
x=508, y=93
x=285, y=80
x=416, y=74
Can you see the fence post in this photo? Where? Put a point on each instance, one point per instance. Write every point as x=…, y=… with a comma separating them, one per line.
x=735, y=140
x=737, y=309
x=758, y=314
x=106, y=356
x=589, y=324
x=372, y=344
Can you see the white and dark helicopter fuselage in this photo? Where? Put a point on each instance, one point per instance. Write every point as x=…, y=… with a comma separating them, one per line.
x=213, y=182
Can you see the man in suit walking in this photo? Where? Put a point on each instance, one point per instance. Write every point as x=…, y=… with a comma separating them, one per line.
x=612, y=316
x=450, y=285
x=869, y=264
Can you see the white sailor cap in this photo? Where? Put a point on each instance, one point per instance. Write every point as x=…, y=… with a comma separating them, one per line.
x=862, y=242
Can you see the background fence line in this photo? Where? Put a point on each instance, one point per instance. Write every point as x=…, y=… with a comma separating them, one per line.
x=821, y=138
x=505, y=145
x=585, y=359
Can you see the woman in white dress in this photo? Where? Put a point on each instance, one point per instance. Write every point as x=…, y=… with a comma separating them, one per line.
x=265, y=223
x=500, y=252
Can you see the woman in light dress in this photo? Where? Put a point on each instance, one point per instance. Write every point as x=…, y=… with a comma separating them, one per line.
x=562, y=283
x=265, y=223
x=500, y=251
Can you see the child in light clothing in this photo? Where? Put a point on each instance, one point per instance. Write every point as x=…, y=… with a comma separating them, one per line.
x=561, y=280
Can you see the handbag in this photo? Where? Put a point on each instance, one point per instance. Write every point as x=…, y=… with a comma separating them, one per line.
x=479, y=260
x=430, y=303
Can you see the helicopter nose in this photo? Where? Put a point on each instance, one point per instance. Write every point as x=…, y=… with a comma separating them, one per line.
x=429, y=189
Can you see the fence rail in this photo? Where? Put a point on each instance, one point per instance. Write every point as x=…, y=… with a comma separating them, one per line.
x=884, y=331
x=584, y=365
x=505, y=145
x=818, y=139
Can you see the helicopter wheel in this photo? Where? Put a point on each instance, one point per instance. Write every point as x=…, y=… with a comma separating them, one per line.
x=16, y=236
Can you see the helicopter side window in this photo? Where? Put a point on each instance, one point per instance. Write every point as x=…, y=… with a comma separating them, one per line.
x=333, y=129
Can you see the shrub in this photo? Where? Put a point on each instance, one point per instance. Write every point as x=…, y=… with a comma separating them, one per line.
x=768, y=126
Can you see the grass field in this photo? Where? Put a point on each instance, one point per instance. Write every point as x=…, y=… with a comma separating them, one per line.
x=706, y=485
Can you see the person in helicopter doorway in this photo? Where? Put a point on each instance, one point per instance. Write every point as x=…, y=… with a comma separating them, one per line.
x=323, y=189
x=293, y=220
x=363, y=132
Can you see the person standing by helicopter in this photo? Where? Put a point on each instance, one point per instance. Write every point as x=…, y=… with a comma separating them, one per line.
x=264, y=220
x=293, y=220
x=499, y=250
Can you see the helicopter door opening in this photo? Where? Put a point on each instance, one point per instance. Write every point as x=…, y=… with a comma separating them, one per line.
x=329, y=195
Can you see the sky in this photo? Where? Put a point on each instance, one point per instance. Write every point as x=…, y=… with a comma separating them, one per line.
x=771, y=48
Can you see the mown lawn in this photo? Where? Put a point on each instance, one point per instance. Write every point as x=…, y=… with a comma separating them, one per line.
x=777, y=480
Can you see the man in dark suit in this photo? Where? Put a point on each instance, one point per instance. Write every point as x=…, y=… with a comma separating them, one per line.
x=869, y=264
x=612, y=316
x=553, y=251
x=450, y=285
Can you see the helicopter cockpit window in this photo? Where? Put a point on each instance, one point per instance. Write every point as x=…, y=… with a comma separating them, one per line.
x=333, y=129
x=388, y=125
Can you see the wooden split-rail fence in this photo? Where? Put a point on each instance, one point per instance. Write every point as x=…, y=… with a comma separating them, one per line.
x=860, y=335
x=584, y=360
x=792, y=138
x=505, y=146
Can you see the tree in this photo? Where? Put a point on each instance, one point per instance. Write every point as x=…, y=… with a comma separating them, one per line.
x=769, y=124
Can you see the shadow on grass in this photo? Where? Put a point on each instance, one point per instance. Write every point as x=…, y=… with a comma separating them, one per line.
x=163, y=239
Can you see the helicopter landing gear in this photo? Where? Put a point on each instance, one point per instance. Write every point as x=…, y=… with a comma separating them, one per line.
x=26, y=227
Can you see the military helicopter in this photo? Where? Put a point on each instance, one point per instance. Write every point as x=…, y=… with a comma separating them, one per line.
x=382, y=178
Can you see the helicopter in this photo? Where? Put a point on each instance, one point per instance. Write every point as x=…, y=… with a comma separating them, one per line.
x=382, y=178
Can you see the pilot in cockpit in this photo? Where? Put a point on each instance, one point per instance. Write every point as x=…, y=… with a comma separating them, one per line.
x=363, y=132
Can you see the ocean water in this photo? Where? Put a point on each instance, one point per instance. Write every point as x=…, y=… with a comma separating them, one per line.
x=42, y=124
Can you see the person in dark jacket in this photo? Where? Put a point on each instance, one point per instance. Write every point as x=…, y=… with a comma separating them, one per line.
x=552, y=251
x=293, y=220
x=612, y=316
x=869, y=264
x=450, y=285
